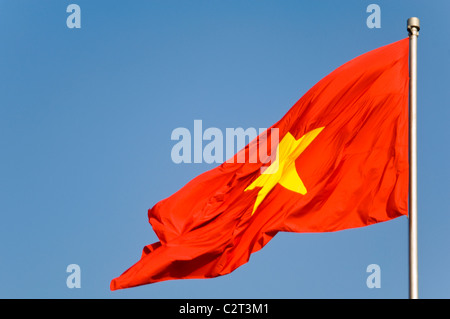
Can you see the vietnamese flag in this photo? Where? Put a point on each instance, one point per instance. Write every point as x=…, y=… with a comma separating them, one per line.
x=341, y=161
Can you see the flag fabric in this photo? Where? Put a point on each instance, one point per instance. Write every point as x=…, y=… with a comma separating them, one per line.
x=341, y=162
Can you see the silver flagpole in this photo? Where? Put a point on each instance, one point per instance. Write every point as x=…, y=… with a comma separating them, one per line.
x=413, y=26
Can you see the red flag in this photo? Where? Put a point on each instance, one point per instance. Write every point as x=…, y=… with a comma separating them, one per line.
x=341, y=162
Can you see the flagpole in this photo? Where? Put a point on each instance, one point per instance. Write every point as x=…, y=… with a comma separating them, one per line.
x=413, y=26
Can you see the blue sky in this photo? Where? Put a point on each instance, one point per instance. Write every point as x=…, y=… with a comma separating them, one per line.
x=86, y=117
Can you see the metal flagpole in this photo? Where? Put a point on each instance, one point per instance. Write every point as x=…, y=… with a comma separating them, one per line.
x=413, y=26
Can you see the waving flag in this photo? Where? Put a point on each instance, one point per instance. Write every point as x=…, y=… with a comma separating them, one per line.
x=341, y=162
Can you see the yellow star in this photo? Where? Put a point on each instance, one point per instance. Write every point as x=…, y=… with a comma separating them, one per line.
x=282, y=171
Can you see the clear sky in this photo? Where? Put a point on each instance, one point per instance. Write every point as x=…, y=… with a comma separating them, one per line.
x=86, y=116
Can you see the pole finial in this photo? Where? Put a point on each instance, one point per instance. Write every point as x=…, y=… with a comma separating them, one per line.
x=413, y=25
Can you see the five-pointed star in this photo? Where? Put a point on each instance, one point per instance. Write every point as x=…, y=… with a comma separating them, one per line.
x=282, y=171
